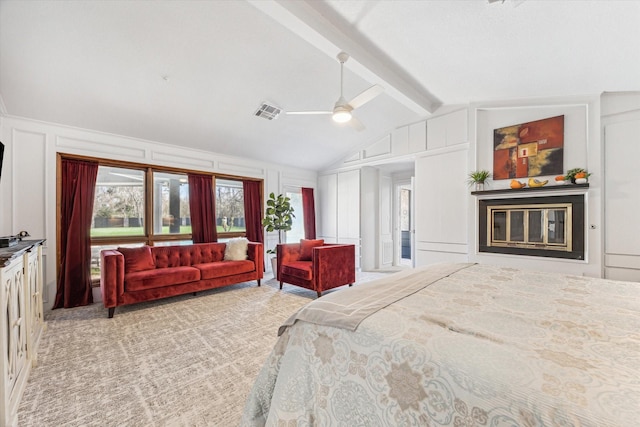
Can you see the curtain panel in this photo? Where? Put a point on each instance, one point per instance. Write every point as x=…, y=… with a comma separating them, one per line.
x=202, y=205
x=253, y=210
x=309, y=213
x=78, y=182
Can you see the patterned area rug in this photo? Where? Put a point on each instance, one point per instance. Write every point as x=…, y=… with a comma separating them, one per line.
x=182, y=361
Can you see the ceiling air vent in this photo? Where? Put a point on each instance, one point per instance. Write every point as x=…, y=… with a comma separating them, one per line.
x=268, y=111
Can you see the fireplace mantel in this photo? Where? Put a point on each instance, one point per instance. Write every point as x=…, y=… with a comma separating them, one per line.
x=555, y=188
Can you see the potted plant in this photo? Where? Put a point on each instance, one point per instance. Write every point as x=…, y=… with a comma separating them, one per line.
x=577, y=175
x=279, y=217
x=478, y=179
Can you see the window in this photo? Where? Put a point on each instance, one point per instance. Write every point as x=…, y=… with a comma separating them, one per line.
x=118, y=207
x=229, y=208
x=171, y=204
x=138, y=204
x=297, y=228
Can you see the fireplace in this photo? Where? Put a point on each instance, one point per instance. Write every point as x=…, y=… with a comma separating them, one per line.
x=551, y=226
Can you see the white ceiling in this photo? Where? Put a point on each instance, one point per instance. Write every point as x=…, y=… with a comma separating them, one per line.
x=193, y=73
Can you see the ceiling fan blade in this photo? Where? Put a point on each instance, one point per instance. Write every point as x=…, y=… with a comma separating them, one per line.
x=356, y=124
x=307, y=112
x=366, y=96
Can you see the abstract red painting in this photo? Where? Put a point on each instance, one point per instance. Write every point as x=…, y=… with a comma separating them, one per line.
x=529, y=149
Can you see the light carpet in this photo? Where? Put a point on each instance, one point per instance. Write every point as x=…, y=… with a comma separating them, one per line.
x=181, y=361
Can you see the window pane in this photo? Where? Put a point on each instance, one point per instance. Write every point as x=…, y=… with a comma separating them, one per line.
x=499, y=225
x=95, y=256
x=536, y=226
x=229, y=206
x=297, y=228
x=118, y=208
x=516, y=231
x=556, y=226
x=171, y=204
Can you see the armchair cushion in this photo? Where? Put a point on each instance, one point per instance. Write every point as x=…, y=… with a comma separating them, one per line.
x=300, y=269
x=306, y=248
x=137, y=259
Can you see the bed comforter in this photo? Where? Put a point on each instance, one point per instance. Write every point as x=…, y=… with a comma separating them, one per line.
x=477, y=346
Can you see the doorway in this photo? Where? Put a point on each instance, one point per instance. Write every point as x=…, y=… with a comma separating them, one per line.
x=404, y=238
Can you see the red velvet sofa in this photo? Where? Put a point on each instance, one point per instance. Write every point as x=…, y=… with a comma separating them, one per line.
x=132, y=275
x=315, y=265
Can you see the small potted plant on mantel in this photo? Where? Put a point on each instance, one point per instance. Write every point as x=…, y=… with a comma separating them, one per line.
x=478, y=178
x=577, y=176
x=279, y=217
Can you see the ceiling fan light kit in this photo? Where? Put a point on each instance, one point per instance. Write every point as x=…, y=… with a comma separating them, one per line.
x=341, y=112
x=341, y=115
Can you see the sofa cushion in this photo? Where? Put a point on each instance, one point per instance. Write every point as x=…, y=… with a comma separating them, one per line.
x=160, y=277
x=213, y=270
x=299, y=269
x=137, y=259
x=236, y=249
x=306, y=248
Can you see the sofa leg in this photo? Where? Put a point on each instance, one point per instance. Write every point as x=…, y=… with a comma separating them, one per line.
x=281, y=284
x=258, y=282
x=195, y=293
x=319, y=294
x=111, y=311
x=350, y=284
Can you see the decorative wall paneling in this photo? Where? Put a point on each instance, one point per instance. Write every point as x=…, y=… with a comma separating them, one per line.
x=582, y=148
x=621, y=128
x=30, y=163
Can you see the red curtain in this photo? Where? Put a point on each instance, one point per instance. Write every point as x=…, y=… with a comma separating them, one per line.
x=202, y=205
x=76, y=198
x=253, y=210
x=309, y=212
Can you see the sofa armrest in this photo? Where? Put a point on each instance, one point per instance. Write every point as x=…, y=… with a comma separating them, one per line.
x=256, y=254
x=334, y=265
x=111, y=276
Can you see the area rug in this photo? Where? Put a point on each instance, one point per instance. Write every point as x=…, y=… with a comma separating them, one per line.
x=182, y=361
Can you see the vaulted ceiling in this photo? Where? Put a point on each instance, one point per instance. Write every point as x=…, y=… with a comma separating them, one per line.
x=193, y=73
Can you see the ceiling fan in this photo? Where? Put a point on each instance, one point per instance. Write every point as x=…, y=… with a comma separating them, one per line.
x=342, y=109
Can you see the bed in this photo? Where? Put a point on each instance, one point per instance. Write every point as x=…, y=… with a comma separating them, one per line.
x=458, y=345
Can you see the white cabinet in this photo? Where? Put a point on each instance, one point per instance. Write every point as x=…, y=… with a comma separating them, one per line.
x=418, y=137
x=441, y=204
x=21, y=322
x=621, y=194
x=349, y=205
x=447, y=130
x=339, y=196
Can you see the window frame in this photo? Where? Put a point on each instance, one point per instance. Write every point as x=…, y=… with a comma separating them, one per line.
x=149, y=237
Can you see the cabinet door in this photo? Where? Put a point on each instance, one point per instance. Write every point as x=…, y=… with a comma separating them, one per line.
x=418, y=137
x=441, y=198
x=14, y=331
x=349, y=205
x=622, y=198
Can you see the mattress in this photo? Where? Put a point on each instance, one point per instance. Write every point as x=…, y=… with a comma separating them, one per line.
x=476, y=345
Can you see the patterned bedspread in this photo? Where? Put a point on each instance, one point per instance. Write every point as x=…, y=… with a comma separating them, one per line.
x=483, y=346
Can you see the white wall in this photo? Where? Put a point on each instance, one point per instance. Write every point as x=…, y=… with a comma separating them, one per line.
x=582, y=148
x=28, y=184
x=459, y=139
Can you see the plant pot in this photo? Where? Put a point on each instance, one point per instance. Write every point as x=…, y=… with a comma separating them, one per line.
x=479, y=186
x=274, y=267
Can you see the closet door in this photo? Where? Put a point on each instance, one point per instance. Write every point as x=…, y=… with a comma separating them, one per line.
x=622, y=195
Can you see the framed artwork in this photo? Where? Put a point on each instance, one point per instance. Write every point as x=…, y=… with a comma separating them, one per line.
x=529, y=149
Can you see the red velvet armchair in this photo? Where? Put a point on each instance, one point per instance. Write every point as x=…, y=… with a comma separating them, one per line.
x=317, y=266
